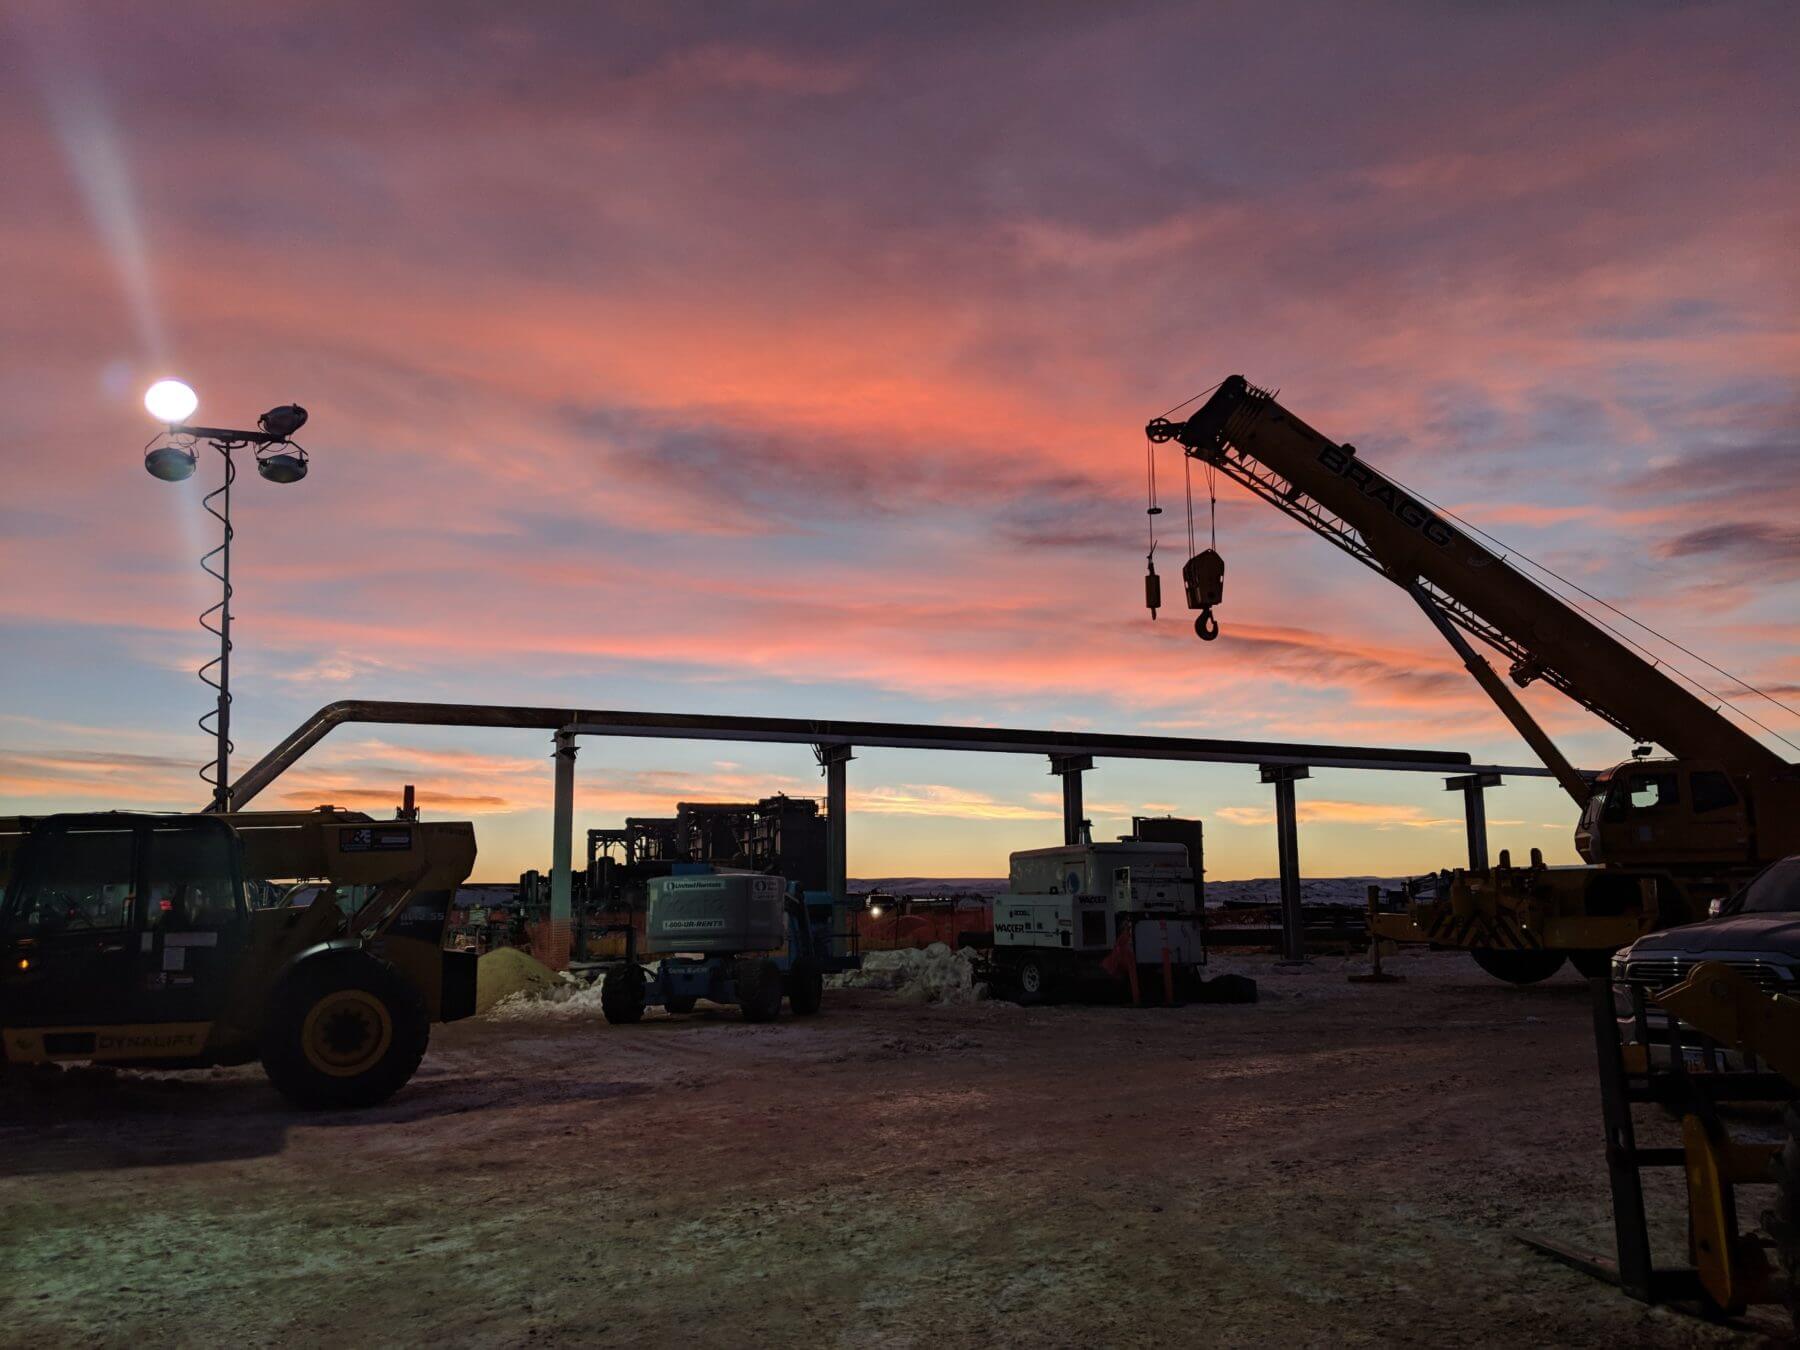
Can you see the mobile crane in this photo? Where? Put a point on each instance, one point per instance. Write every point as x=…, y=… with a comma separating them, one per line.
x=1663, y=837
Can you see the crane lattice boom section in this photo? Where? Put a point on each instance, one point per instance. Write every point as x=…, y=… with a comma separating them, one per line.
x=1284, y=496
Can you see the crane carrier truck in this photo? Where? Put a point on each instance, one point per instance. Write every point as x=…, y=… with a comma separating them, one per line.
x=1662, y=837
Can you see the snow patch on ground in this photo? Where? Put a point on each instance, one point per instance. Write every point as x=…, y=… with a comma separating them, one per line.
x=570, y=997
x=933, y=975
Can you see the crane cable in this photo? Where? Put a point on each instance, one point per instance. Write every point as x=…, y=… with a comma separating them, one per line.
x=1510, y=552
x=1153, y=510
x=1187, y=477
x=1212, y=502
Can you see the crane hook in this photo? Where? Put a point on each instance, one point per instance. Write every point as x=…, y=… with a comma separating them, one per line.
x=1204, y=577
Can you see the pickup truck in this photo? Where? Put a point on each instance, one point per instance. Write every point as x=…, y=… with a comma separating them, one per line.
x=1756, y=931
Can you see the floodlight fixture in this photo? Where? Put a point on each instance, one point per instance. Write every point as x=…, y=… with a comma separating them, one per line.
x=171, y=402
x=170, y=463
x=284, y=421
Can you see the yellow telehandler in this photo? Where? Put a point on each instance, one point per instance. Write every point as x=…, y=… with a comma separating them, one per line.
x=130, y=939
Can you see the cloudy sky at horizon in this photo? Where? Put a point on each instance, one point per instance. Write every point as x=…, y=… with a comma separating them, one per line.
x=793, y=359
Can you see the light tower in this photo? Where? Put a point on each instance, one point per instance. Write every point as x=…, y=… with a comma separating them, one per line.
x=171, y=457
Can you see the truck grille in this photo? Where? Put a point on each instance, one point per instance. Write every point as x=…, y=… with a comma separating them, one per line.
x=1660, y=972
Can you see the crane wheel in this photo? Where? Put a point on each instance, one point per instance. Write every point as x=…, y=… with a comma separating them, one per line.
x=1592, y=964
x=1783, y=1221
x=622, y=995
x=805, y=987
x=759, y=988
x=1520, y=967
x=344, y=1030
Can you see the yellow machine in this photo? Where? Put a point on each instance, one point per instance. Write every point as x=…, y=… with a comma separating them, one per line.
x=1716, y=1043
x=129, y=939
x=1734, y=1268
x=1665, y=836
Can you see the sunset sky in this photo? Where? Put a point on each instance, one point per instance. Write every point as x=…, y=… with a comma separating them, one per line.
x=793, y=360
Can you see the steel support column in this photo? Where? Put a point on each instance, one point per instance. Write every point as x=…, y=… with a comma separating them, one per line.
x=1473, y=787
x=1287, y=850
x=1069, y=768
x=833, y=759
x=562, y=845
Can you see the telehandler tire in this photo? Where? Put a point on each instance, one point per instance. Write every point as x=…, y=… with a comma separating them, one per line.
x=622, y=995
x=1524, y=967
x=805, y=987
x=759, y=988
x=343, y=1030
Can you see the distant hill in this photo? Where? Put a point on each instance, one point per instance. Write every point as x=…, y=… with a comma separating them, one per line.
x=1257, y=891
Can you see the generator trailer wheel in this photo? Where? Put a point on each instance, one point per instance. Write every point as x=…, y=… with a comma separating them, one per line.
x=343, y=1030
x=1031, y=977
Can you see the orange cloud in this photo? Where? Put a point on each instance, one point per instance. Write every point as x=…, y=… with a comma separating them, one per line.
x=1379, y=815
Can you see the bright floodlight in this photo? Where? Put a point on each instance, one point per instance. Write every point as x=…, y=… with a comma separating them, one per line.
x=171, y=401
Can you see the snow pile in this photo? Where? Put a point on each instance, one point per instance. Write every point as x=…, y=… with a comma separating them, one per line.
x=934, y=975
x=507, y=972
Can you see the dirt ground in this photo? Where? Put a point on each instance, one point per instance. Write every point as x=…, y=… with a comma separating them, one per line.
x=1337, y=1165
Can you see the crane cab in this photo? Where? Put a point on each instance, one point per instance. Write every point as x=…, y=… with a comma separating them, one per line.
x=1670, y=810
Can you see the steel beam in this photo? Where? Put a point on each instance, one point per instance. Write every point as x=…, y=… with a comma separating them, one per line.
x=1473, y=786
x=562, y=834
x=797, y=731
x=1287, y=850
x=1069, y=768
x=834, y=759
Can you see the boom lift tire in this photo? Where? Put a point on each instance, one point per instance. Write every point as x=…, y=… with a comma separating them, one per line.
x=622, y=995
x=343, y=1030
x=805, y=987
x=1521, y=967
x=1783, y=1221
x=759, y=989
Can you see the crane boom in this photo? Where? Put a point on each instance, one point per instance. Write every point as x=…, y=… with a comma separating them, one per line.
x=1326, y=486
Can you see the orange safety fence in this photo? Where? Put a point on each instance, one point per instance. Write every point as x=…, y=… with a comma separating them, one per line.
x=888, y=931
x=549, y=942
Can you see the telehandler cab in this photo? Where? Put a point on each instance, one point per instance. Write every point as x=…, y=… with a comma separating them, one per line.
x=129, y=939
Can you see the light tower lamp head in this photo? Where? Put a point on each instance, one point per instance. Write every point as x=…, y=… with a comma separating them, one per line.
x=171, y=402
